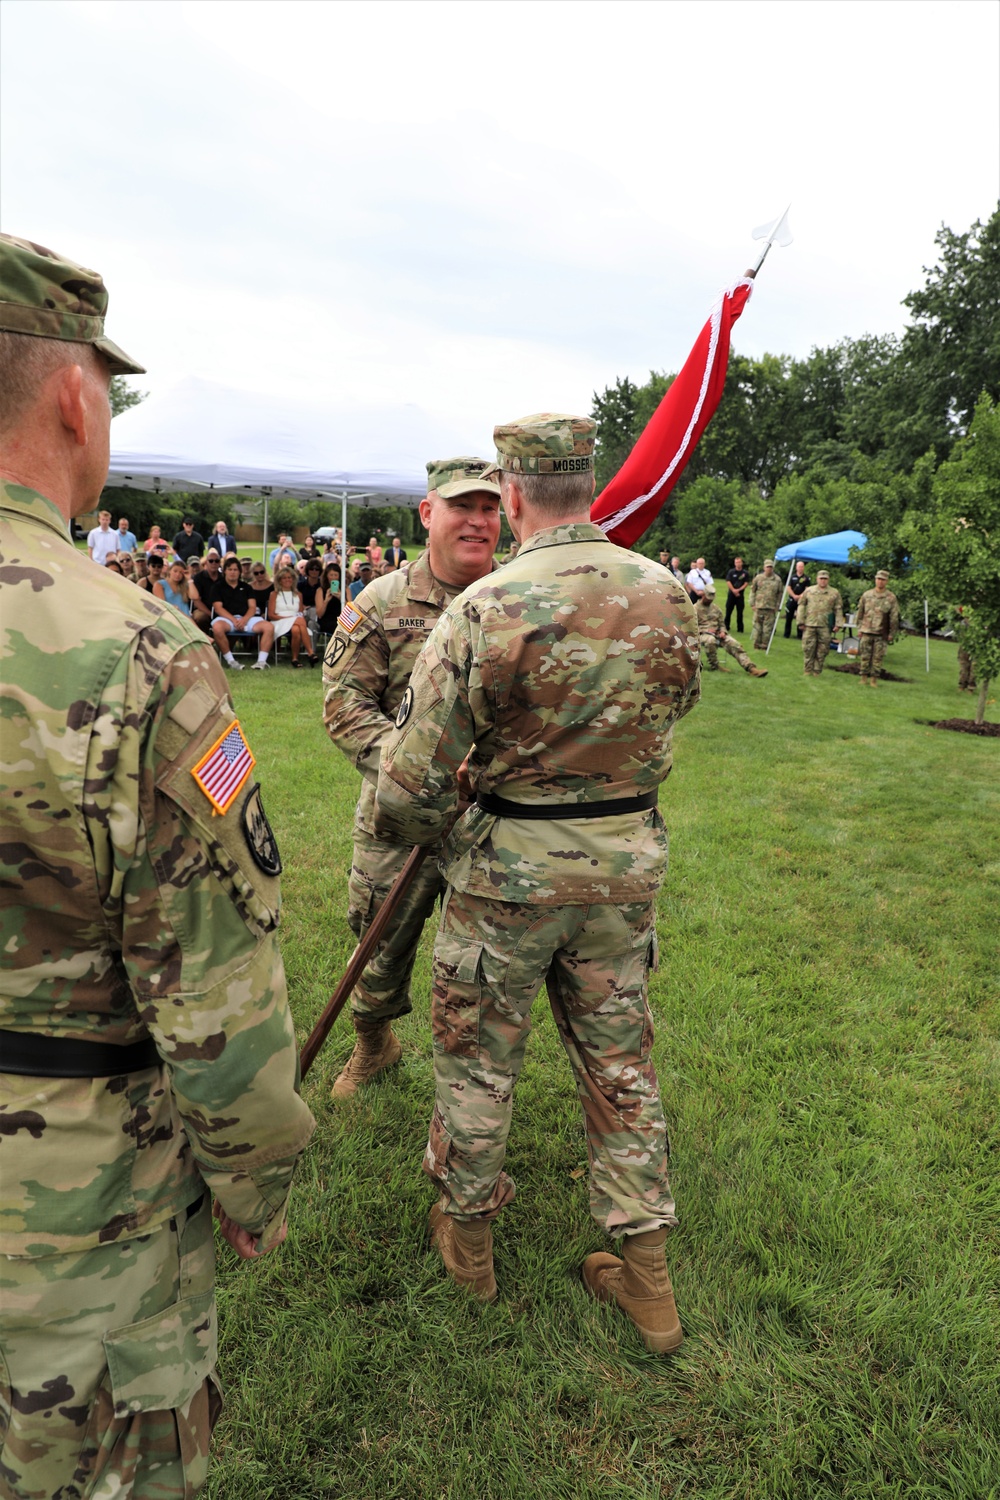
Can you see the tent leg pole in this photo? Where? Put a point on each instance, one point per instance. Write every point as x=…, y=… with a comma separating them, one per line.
x=343, y=549
x=927, y=637
x=781, y=610
x=263, y=549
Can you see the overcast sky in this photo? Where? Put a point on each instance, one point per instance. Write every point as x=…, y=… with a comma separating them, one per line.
x=489, y=208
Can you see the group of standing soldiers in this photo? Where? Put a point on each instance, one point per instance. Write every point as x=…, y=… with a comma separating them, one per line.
x=817, y=609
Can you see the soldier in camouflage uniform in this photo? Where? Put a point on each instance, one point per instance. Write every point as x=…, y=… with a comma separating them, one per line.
x=147, y=1057
x=765, y=601
x=560, y=679
x=366, y=672
x=820, y=614
x=877, y=624
x=713, y=633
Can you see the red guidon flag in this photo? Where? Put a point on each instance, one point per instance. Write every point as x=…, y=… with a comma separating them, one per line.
x=630, y=503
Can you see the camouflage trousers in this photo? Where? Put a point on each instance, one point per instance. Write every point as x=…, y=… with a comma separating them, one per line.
x=871, y=654
x=966, y=669
x=110, y=1368
x=490, y=960
x=763, y=624
x=815, y=645
x=383, y=991
x=710, y=646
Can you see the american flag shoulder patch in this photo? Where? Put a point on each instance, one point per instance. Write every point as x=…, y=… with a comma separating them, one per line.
x=224, y=769
x=350, y=618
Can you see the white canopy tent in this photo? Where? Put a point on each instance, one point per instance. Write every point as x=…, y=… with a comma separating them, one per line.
x=197, y=435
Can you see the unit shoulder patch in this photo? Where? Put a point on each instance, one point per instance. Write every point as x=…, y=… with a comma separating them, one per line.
x=405, y=708
x=259, y=834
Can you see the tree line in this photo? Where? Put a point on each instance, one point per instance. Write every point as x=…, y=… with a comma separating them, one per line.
x=849, y=437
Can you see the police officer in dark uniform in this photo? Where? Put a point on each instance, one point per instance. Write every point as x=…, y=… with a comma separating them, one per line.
x=795, y=588
x=736, y=582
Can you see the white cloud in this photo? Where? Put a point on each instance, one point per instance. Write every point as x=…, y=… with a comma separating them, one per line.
x=487, y=207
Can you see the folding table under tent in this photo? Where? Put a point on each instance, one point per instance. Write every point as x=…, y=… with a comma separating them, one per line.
x=197, y=435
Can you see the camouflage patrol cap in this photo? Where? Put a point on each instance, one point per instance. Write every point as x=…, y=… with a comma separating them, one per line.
x=709, y=591
x=769, y=562
x=547, y=442
x=49, y=297
x=449, y=477
x=822, y=574
x=881, y=574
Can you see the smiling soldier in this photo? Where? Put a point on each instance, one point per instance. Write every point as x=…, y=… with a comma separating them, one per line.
x=366, y=673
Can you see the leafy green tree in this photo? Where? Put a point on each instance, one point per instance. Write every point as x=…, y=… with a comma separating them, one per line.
x=617, y=428
x=953, y=340
x=122, y=395
x=955, y=546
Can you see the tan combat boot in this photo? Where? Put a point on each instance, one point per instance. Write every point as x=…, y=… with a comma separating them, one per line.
x=376, y=1048
x=756, y=671
x=466, y=1247
x=640, y=1284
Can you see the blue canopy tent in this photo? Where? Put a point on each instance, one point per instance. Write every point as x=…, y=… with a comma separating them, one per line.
x=834, y=548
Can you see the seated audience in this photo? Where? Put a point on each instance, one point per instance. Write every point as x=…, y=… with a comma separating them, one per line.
x=261, y=587
x=127, y=565
x=141, y=571
x=113, y=565
x=234, y=611
x=327, y=621
x=313, y=595
x=202, y=591
x=154, y=570
x=287, y=613
x=174, y=588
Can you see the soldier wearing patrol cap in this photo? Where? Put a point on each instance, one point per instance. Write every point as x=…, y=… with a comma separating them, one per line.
x=559, y=680
x=366, y=673
x=147, y=1056
x=877, y=624
x=820, y=614
x=713, y=633
x=765, y=601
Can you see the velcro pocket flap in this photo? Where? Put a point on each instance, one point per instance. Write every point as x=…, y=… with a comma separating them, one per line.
x=159, y=1363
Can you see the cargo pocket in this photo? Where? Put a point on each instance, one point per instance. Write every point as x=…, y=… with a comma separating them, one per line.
x=458, y=988
x=160, y=1363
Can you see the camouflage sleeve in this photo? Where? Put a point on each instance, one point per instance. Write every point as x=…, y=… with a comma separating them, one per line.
x=355, y=675
x=861, y=612
x=839, y=621
x=435, y=730
x=199, y=907
x=894, y=618
x=752, y=591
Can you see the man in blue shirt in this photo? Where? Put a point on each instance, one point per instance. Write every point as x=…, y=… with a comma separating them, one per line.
x=126, y=538
x=363, y=579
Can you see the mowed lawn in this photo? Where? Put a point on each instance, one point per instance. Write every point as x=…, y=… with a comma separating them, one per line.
x=827, y=1046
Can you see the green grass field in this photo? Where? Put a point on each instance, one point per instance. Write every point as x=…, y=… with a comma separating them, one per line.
x=827, y=1046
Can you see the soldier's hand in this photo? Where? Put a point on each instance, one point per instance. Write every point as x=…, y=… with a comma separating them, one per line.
x=464, y=784
x=242, y=1241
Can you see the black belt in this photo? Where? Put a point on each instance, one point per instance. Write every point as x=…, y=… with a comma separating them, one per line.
x=500, y=807
x=61, y=1057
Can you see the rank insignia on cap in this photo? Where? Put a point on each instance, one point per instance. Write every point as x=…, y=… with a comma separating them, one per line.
x=350, y=618
x=259, y=834
x=224, y=770
x=405, y=708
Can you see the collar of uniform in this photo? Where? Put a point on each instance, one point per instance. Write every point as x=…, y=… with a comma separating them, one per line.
x=558, y=536
x=21, y=501
x=423, y=587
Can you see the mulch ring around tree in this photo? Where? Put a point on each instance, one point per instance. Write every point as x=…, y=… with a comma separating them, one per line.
x=964, y=726
x=853, y=669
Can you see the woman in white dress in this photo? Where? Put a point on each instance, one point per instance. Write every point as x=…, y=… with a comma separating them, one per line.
x=286, y=610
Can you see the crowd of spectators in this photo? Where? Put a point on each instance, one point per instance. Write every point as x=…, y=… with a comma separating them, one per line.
x=296, y=594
